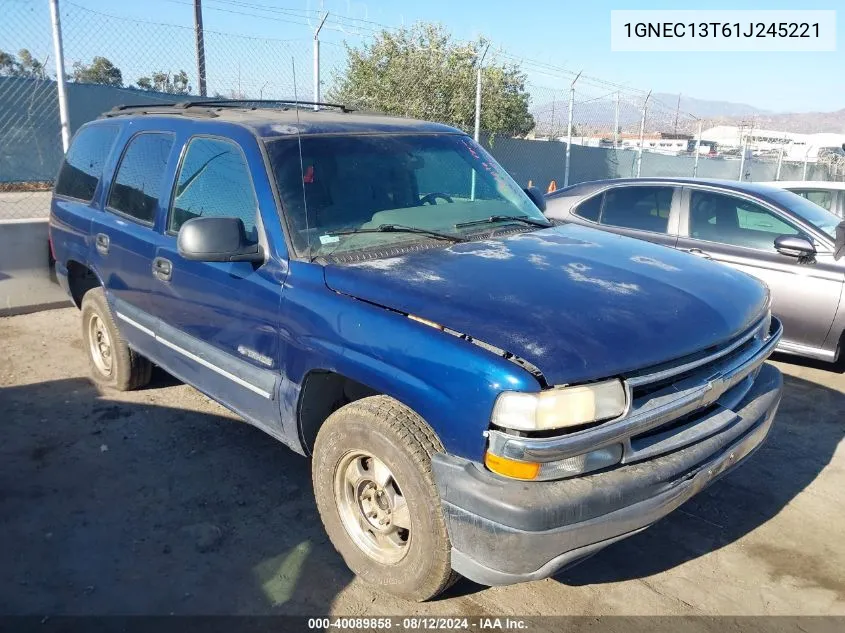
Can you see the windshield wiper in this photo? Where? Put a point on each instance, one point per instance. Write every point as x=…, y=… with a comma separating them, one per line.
x=399, y=228
x=506, y=218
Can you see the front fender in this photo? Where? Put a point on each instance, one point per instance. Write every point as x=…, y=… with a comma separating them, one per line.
x=447, y=380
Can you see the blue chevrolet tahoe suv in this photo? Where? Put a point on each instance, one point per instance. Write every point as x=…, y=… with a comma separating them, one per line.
x=481, y=392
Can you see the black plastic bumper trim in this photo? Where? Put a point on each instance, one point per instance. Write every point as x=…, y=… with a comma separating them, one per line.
x=504, y=531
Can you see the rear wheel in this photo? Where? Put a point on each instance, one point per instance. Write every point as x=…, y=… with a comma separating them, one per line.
x=378, y=500
x=113, y=364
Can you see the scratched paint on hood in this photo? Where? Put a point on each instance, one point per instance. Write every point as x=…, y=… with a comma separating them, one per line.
x=580, y=304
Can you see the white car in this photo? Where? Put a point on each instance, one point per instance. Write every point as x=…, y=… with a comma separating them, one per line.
x=828, y=195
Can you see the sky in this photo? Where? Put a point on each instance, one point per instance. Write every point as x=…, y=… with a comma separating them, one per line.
x=562, y=33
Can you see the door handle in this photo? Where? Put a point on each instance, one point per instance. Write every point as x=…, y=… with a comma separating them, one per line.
x=101, y=241
x=699, y=253
x=162, y=269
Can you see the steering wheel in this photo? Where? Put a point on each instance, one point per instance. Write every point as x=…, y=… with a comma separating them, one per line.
x=431, y=197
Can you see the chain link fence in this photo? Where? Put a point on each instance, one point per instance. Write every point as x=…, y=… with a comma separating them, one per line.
x=30, y=139
x=527, y=123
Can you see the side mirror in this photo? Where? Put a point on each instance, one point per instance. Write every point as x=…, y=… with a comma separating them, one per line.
x=794, y=246
x=536, y=196
x=217, y=240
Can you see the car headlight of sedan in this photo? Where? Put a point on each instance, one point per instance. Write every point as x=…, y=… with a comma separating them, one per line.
x=560, y=407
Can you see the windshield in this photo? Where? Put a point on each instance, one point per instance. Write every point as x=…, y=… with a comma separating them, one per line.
x=808, y=211
x=431, y=182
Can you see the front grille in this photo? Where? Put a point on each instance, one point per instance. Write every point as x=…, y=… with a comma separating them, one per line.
x=680, y=403
x=672, y=406
x=644, y=389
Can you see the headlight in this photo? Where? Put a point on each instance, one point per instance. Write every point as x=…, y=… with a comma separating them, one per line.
x=560, y=407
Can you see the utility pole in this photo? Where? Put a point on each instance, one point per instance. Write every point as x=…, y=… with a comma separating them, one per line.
x=616, y=123
x=569, y=129
x=60, y=73
x=200, y=46
x=317, y=61
x=642, y=135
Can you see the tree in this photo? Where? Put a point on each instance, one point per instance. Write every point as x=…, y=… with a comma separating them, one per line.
x=161, y=81
x=24, y=65
x=423, y=73
x=99, y=71
x=30, y=67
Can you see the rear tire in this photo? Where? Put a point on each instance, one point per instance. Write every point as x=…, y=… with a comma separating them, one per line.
x=113, y=364
x=377, y=498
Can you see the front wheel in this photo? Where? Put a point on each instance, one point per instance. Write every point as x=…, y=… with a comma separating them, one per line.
x=377, y=497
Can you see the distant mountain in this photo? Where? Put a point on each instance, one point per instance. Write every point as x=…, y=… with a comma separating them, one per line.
x=802, y=122
x=704, y=108
x=597, y=116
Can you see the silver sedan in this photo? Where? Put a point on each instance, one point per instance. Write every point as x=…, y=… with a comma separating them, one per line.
x=793, y=245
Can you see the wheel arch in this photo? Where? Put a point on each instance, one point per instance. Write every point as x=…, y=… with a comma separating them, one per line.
x=81, y=279
x=323, y=392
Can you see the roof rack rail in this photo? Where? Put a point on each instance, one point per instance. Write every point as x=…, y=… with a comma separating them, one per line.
x=234, y=103
x=161, y=107
x=206, y=107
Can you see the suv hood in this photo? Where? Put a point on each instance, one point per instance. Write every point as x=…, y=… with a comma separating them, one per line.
x=578, y=303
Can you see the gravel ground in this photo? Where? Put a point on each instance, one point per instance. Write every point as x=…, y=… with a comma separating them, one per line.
x=159, y=501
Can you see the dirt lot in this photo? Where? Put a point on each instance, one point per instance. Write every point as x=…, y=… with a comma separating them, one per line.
x=158, y=502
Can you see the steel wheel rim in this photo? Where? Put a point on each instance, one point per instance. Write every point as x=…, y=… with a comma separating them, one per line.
x=372, y=508
x=99, y=344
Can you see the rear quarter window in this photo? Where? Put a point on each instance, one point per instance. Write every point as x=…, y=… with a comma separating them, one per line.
x=590, y=209
x=82, y=168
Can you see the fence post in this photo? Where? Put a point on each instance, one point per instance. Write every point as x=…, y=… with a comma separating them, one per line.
x=697, y=151
x=60, y=73
x=200, y=37
x=477, y=132
x=616, y=123
x=317, y=61
x=569, y=130
x=642, y=135
x=744, y=148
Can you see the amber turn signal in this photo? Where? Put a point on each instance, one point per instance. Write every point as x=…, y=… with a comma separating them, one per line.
x=511, y=467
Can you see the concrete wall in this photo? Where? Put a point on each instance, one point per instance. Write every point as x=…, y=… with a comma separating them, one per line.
x=27, y=281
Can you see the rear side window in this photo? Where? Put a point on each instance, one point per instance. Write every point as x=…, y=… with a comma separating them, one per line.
x=214, y=181
x=82, y=168
x=590, y=209
x=822, y=198
x=643, y=208
x=137, y=184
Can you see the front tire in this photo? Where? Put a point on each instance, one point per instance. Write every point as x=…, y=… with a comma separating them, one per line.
x=377, y=498
x=112, y=363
